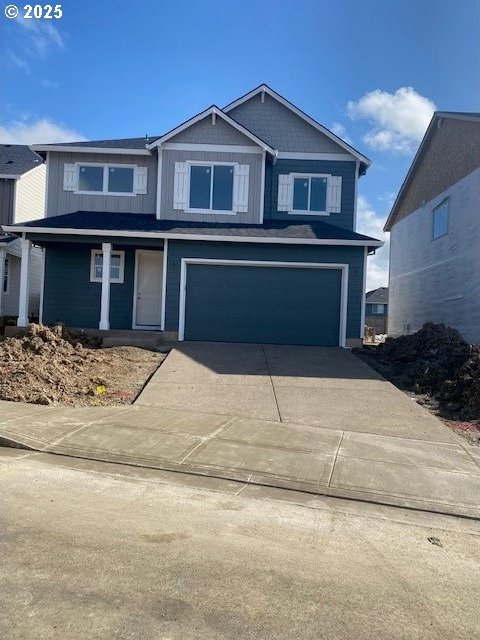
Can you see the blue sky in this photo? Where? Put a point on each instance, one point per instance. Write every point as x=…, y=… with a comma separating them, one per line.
x=374, y=71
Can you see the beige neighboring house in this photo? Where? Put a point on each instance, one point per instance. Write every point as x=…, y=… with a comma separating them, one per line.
x=435, y=232
x=22, y=198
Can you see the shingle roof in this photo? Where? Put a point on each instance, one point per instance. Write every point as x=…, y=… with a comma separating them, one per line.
x=377, y=296
x=120, y=143
x=148, y=222
x=17, y=159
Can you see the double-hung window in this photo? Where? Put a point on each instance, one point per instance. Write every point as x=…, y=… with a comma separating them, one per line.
x=310, y=194
x=105, y=179
x=117, y=262
x=211, y=187
x=440, y=220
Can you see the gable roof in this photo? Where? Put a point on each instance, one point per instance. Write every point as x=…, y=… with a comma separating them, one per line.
x=301, y=114
x=134, y=146
x=17, y=159
x=217, y=112
x=429, y=134
x=377, y=296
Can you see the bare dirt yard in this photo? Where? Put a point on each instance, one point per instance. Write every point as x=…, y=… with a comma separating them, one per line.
x=437, y=368
x=53, y=365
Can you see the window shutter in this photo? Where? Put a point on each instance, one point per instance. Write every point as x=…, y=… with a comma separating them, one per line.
x=140, y=175
x=285, y=193
x=70, y=177
x=180, y=195
x=334, y=194
x=240, y=188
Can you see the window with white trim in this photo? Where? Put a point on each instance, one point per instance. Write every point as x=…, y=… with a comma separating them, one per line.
x=211, y=187
x=6, y=276
x=440, y=220
x=378, y=309
x=105, y=179
x=309, y=193
x=117, y=266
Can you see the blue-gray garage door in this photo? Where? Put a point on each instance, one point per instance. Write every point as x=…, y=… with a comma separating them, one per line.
x=276, y=305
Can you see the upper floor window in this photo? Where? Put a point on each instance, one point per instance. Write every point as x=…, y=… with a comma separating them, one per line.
x=378, y=309
x=211, y=187
x=309, y=194
x=105, y=179
x=440, y=220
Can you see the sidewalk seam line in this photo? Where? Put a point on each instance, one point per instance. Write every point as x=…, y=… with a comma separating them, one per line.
x=271, y=382
x=335, y=459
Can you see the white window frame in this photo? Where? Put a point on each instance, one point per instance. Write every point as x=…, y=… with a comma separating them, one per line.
x=106, y=167
x=210, y=163
x=6, y=277
x=99, y=252
x=445, y=202
x=309, y=176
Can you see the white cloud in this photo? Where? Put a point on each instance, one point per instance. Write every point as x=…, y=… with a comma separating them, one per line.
x=339, y=130
x=43, y=36
x=371, y=224
x=37, y=132
x=18, y=62
x=398, y=119
x=50, y=84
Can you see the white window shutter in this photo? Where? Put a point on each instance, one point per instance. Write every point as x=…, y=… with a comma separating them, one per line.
x=180, y=195
x=240, y=188
x=140, y=176
x=70, y=177
x=334, y=194
x=285, y=193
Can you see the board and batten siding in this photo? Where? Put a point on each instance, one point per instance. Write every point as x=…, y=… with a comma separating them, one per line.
x=254, y=160
x=60, y=201
x=30, y=195
x=438, y=280
x=71, y=298
x=7, y=197
x=345, y=169
x=205, y=132
x=353, y=256
x=282, y=129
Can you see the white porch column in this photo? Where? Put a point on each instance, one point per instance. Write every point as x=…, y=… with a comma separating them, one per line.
x=3, y=255
x=22, y=319
x=105, y=303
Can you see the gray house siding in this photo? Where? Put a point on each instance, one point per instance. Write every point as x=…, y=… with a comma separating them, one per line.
x=71, y=298
x=204, y=132
x=346, y=170
x=254, y=160
x=281, y=128
x=7, y=197
x=353, y=256
x=60, y=201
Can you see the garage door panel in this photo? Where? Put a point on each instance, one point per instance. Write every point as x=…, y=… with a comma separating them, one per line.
x=276, y=305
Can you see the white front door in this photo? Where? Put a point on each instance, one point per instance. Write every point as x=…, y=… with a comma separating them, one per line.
x=148, y=289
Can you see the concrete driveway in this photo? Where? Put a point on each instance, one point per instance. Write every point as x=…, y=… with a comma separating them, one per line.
x=316, y=386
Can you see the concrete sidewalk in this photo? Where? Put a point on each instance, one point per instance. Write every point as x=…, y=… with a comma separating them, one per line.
x=441, y=477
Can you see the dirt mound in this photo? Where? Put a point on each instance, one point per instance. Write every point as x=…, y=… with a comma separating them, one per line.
x=437, y=360
x=51, y=364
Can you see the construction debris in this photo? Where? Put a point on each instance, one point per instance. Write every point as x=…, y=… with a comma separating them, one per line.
x=49, y=365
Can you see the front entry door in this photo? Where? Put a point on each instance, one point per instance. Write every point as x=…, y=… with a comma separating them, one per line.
x=148, y=290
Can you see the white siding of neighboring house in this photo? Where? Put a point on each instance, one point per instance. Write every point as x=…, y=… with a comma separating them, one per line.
x=10, y=299
x=438, y=280
x=30, y=195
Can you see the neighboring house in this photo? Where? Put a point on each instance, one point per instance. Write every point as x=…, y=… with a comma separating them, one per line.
x=376, y=311
x=238, y=225
x=435, y=232
x=22, y=198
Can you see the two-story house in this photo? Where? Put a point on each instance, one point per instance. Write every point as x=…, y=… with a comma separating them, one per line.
x=434, y=229
x=376, y=312
x=238, y=225
x=22, y=198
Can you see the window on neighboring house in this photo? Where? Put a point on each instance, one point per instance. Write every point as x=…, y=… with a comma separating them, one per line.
x=378, y=309
x=310, y=193
x=211, y=187
x=117, y=262
x=105, y=179
x=6, y=277
x=440, y=220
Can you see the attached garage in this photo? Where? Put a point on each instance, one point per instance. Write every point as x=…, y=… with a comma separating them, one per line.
x=263, y=302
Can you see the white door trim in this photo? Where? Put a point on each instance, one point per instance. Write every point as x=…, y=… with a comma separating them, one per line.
x=156, y=327
x=266, y=263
